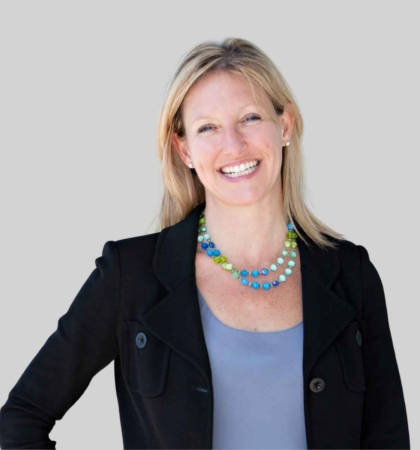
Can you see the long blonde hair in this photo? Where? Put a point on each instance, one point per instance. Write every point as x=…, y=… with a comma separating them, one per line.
x=183, y=190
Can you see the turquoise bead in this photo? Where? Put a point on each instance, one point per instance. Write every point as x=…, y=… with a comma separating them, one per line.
x=255, y=285
x=200, y=239
x=284, y=252
x=210, y=252
x=244, y=273
x=266, y=286
x=273, y=267
x=288, y=271
x=293, y=254
x=206, y=237
x=290, y=227
x=217, y=253
x=282, y=278
x=244, y=281
x=255, y=273
x=280, y=260
x=291, y=263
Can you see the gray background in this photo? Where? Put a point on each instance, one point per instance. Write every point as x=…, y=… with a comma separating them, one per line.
x=81, y=85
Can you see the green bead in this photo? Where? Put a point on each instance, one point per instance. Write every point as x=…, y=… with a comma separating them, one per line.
x=202, y=221
x=202, y=229
x=216, y=259
x=294, y=244
x=223, y=259
x=293, y=254
x=287, y=244
x=235, y=273
x=228, y=266
x=273, y=267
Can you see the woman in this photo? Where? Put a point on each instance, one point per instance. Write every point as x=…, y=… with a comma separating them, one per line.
x=245, y=322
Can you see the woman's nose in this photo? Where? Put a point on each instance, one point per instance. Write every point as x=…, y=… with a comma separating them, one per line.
x=233, y=140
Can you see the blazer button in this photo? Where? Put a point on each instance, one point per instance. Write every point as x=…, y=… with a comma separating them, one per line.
x=141, y=340
x=359, y=337
x=317, y=385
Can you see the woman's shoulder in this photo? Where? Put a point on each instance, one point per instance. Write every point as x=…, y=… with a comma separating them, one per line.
x=141, y=241
x=133, y=249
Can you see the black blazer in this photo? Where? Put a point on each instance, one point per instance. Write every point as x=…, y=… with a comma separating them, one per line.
x=139, y=308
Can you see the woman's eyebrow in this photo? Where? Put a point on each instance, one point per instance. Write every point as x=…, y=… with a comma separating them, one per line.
x=196, y=119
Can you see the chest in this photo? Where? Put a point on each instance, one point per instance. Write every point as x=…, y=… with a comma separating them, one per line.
x=244, y=308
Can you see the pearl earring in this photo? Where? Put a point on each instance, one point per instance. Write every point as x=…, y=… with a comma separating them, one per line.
x=190, y=165
x=287, y=143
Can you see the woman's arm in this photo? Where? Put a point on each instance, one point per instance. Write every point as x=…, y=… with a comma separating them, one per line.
x=84, y=343
x=385, y=424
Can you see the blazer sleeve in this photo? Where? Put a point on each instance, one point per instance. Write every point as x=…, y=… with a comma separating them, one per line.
x=385, y=424
x=84, y=342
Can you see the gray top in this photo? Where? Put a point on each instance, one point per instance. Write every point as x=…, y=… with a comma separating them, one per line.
x=258, y=385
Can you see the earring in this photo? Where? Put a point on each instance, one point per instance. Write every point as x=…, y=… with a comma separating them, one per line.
x=190, y=165
x=287, y=143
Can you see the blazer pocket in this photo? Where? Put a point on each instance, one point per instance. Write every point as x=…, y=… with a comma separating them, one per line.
x=144, y=360
x=349, y=346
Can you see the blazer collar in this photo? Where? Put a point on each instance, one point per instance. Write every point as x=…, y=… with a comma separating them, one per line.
x=176, y=318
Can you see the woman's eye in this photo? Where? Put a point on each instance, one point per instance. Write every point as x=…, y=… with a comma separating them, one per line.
x=203, y=128
x=255, y=116
x=251, y=116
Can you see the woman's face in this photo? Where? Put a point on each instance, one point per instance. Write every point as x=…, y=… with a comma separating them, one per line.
x=224, y=128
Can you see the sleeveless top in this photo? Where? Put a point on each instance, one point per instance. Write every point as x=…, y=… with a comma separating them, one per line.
x=257, y=384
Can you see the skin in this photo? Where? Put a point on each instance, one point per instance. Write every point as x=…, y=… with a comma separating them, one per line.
x=246, y=218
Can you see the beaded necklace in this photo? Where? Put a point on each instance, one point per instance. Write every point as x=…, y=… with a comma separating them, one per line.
x=210, y=248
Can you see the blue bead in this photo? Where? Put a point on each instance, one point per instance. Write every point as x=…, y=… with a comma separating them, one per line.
x=265, y=271
x=266, y=286
x=244, y=273
x=290, y=227
x=275, y=283
x=216, y=252
x=210, y=252
x=211, y=244
x=255, y=285
x=255, y=273
x=244, y=281
x=204, y=245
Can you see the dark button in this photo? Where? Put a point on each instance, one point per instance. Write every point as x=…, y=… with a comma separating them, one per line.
x=141, y=340
x=359, y=337
x=317, y=385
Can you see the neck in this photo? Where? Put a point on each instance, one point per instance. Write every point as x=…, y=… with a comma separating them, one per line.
x=249, y=236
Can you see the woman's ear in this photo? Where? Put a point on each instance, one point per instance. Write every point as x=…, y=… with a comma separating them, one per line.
x=180, y=145
x=287, y=121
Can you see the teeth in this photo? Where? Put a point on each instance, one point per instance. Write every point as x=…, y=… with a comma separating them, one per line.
x=240, y=174
x=241, y=168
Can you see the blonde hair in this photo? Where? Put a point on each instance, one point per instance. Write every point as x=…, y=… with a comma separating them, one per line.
x=183, y=190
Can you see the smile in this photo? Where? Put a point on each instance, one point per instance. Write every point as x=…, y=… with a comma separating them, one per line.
x=239, y=176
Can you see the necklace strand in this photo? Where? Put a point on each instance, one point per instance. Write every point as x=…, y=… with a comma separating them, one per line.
x=290, y=245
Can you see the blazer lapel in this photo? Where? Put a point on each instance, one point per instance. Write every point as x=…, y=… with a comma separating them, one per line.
x=176, y=319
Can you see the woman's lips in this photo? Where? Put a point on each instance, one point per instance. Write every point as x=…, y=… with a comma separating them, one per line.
x=243, y=177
